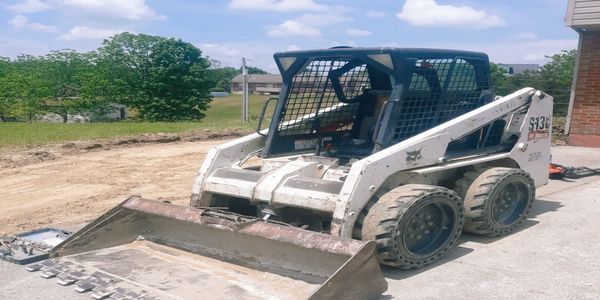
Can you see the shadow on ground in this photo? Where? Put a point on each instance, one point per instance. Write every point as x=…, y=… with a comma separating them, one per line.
x=453, y=254
x=539, y=207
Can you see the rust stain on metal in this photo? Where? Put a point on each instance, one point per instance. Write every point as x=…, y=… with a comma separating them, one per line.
x=304, y=238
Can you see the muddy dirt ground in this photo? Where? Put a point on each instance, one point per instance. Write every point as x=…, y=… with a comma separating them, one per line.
x=73, y=183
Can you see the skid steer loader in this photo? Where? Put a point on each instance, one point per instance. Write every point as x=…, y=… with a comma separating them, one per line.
x=404, y=147
x=372, y=155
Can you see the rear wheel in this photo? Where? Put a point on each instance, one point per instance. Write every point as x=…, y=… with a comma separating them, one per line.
x=414, y=225
x=497, y=201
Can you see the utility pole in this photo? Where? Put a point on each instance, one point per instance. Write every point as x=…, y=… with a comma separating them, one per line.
x=244, y=91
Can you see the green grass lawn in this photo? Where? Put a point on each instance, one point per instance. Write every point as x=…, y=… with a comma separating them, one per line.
x=225, y=112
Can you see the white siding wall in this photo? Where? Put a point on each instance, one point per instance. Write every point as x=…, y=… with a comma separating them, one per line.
x=583, y=13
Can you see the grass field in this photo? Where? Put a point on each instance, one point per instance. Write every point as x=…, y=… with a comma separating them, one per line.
x=224, y=113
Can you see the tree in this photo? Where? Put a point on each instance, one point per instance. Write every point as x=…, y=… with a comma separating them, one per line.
x=221, y=78
x=6, y=102
x=66, y=74
x=165, y=79
x=504, y=84
x=254, y=70
x=557, y=77
x=21, y=91
x=554, y=78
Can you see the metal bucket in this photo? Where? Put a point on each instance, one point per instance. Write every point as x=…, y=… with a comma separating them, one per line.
x=149, y=249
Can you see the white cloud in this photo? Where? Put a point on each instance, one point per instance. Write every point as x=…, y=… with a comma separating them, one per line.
x=375, y=14
x=217, y=50
x=526, y=36
x=277, y=5
x=293, y=28
x=322, y=19
x=523, y=51
x=307, y=25
x=19, y=21
x=533, y=51
x=429, y=13
x=22, y=22
x=293, y=48
x=84, y=32
x=132, y=10
x=29, y=6
x=358, y=32
x=257, y=53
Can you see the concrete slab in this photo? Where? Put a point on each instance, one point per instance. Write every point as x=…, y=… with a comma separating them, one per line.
x=555, y=255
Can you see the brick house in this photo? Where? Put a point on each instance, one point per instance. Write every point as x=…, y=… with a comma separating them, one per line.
x=258, y=83
x=583, y=119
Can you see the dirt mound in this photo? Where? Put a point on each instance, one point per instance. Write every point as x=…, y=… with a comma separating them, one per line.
x=23, y=157
x=16, y=159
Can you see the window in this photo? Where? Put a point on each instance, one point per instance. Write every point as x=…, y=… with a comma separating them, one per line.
x=312, y=98
x=439, y=90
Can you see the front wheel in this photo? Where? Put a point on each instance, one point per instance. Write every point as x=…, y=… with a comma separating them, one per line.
x=414, y=225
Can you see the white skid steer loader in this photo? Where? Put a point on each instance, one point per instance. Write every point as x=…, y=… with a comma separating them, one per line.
x=404, y=147
x=372, y=155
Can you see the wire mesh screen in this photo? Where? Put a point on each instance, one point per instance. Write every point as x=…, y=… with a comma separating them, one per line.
x=313, y=104
x=355, y=81
x=439, y=90
x=461, y=92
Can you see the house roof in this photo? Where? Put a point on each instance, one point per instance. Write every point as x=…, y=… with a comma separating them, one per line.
x=259, y=78
x=583, y=14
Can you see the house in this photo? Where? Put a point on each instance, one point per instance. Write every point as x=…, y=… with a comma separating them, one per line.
x=257, y=83
x=583, y=118
x=512, y=69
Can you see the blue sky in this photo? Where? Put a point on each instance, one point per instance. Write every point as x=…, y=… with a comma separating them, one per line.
x=510, y=31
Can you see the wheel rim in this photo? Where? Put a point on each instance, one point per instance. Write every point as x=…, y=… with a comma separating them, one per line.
x=429, y=228
x=510, y=202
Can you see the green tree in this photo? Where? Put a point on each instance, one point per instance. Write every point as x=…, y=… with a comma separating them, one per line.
x=557, y=77
x=554, y=78
x=6, y=102
x=165, y=79
x=21, y=91
x=72, y=80
x=27, y=90
x=255, y=70
x=504, y=83
x=221, y=78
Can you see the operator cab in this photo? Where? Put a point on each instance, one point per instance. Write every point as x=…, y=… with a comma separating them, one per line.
x=349, y=103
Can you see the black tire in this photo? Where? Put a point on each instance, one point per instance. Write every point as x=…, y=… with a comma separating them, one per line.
x=496, y=201
x=414, y=225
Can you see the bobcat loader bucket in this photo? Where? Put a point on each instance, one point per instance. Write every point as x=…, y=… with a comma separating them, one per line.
x=149, y=249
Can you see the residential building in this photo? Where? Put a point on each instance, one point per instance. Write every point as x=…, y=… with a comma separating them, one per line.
x=258, y=83
x=583, y=120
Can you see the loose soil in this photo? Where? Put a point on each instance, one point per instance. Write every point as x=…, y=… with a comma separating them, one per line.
x=69, y=184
